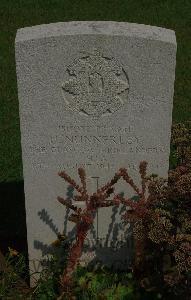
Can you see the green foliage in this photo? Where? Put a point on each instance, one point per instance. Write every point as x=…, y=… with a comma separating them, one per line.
x=104, y=284
x=47, y=287
x=10, y=276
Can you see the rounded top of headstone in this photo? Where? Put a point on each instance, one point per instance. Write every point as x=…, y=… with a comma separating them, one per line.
x=97, y=28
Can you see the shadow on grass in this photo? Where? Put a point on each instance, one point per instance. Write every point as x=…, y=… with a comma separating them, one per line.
x=13, y=232
x=12, y=217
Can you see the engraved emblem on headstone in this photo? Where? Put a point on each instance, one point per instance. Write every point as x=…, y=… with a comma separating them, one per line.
x=97, y=85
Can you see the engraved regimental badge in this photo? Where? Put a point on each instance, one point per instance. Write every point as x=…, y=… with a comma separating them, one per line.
x=97, y=85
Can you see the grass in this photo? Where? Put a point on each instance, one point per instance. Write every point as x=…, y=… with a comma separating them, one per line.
x=14, y=14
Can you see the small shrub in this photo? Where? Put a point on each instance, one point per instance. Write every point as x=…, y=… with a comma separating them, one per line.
x=162, y=226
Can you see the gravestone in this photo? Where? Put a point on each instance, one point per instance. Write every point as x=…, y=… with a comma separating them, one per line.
x=97, y=95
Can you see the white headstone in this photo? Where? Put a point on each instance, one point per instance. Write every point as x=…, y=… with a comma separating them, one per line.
x=92, y=94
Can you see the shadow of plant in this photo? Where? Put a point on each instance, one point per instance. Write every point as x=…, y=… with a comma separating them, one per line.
x=112, y=251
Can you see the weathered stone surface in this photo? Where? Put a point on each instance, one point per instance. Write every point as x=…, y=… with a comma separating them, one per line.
x=91, y=94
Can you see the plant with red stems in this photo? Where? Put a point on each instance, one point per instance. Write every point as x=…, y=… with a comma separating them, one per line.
x=83, y=217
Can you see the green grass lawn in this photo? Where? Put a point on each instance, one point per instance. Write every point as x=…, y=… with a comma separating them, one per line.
x=14, y=14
